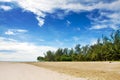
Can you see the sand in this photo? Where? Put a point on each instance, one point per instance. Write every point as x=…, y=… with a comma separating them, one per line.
x=89, y=70
x=22, y=71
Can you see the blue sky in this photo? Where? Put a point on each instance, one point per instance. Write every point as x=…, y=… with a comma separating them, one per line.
x=28, y=28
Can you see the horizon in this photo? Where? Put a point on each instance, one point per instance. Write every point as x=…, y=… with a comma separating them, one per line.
x=30, y=28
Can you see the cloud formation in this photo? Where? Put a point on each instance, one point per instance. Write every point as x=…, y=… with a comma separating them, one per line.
x=5, y=8
x=108, y=15
x=6, y=0
x=68, y=22
x=15, y=31
x=13, y=50
x=110, y=9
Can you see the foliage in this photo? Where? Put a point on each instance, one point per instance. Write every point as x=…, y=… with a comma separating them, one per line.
x=106, y=49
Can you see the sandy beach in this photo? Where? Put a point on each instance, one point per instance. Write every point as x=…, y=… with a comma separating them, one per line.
x=22, y=71
x=90, y=70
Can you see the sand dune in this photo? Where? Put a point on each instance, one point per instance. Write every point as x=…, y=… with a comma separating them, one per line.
x=21, y=71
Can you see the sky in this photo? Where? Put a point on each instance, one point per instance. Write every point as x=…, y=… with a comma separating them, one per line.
x=29, y=28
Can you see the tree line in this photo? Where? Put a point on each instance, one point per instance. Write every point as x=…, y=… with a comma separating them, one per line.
x=106, y=49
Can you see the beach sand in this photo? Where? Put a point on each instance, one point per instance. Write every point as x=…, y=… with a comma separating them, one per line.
x=89, y=70
x=22, y=71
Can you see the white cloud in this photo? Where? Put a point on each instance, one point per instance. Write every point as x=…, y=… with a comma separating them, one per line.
x=15, y=31
x=40, y=21
x=98, y=27
x=109, y=10
x=114, y=6
x=20, y=51
x=5, y=8
x=6, y=0
x=41, y=7
x=21, y=30
x=68, y=22
x=9, y=32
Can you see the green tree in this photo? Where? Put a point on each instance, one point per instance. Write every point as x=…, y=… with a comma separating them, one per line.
x=58, y=54
x=77, y=49
x=49, y=56
x=106, y=49
x=40, y=58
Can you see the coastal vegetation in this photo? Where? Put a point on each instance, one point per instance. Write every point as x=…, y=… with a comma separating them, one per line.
x=106, y=49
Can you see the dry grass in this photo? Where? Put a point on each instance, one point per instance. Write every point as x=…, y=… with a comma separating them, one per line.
x=90, y=70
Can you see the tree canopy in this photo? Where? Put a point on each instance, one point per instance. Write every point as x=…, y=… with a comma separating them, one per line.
x=106, y=49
